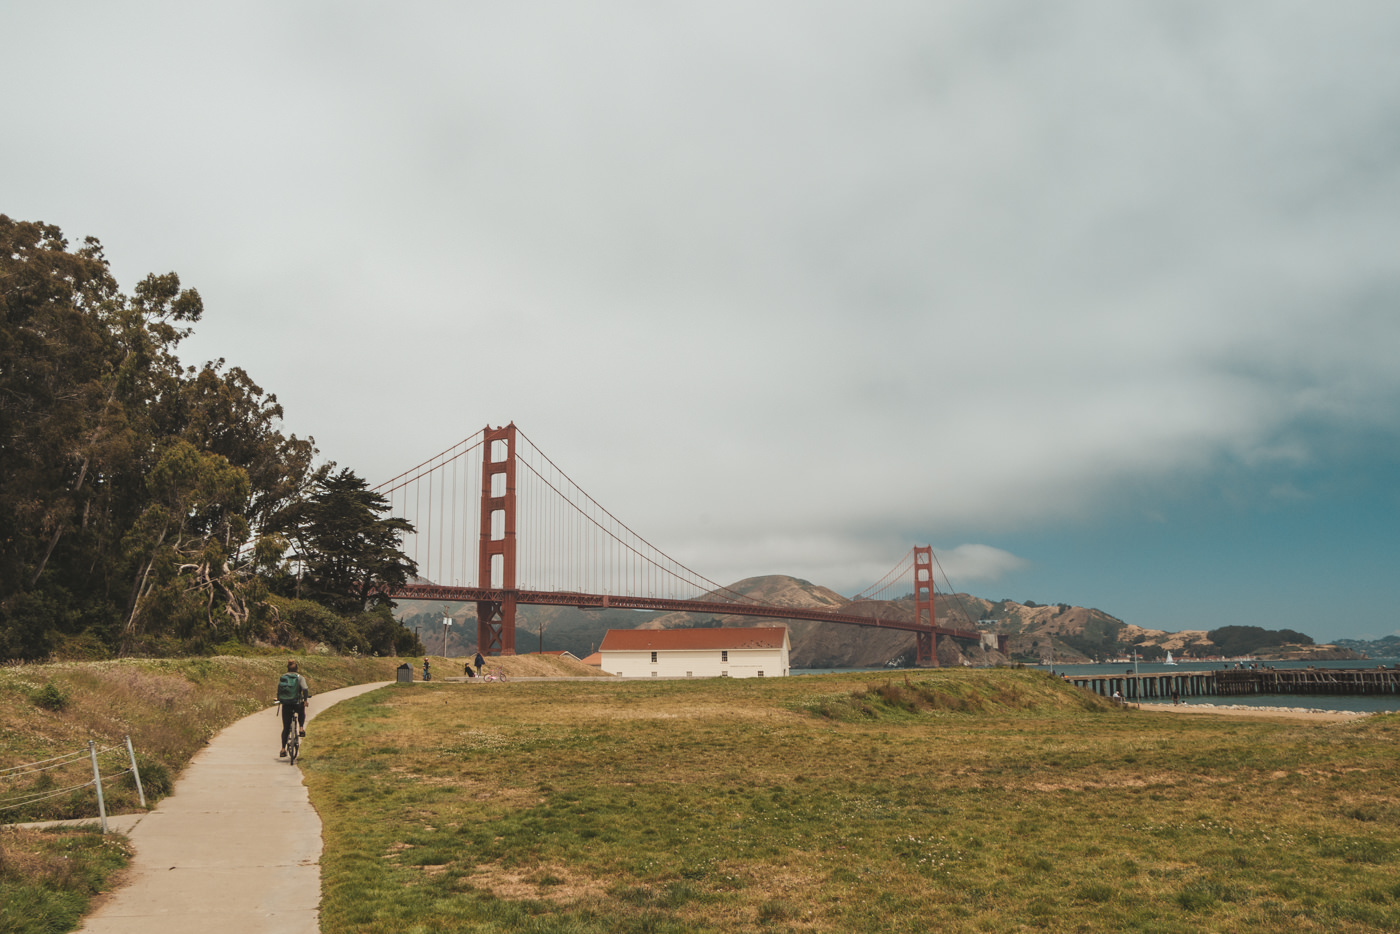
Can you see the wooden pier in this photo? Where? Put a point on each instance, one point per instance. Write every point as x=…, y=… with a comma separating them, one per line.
x=1238, y=682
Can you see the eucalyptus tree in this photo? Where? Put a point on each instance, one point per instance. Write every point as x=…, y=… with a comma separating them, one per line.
x=133, y=491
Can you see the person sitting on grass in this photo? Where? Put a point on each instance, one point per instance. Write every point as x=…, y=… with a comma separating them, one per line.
x=292, y=694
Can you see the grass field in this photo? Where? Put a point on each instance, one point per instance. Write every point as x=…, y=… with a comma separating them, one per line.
x=951, y=800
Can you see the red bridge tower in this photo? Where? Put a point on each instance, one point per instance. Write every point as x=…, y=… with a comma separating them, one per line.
x=926, y=648
x=495, y=618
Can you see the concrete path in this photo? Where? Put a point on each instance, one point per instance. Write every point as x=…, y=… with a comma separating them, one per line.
x=235, y=849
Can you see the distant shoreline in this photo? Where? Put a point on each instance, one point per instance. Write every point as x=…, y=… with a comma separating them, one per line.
x=1285, y=713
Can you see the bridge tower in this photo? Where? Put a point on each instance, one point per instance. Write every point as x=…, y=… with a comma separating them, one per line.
x=495, y=617
x=926, y=643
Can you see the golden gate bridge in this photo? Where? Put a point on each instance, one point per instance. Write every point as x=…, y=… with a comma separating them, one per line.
x=498, y=524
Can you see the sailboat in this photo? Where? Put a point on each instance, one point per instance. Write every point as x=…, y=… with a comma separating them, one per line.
x=1170, y=660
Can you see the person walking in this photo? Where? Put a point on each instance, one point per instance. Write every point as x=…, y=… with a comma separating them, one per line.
x=479, y=662
x=293, y=691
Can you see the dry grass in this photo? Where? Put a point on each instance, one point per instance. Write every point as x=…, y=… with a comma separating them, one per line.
x=527, y=666
x=845, y=803
x=169, y=708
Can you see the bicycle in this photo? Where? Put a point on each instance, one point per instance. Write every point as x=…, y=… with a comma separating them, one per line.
x=293, y=736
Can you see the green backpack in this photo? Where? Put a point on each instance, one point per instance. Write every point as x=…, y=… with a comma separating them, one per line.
x=289, y=687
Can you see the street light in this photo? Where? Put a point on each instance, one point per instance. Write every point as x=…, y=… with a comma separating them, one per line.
x=446, y=621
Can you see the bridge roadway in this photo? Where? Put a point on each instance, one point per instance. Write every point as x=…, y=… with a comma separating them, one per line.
x=589, y=601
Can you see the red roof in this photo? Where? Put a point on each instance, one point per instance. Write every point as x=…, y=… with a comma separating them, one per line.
x=758, y=637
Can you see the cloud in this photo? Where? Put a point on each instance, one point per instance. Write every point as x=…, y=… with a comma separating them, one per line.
x=836, y=279
x=981, y=563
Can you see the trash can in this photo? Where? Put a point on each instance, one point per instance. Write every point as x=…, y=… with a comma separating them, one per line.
x=405, y=672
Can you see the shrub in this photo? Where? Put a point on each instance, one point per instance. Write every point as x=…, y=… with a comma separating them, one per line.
x=50, y=697
x=87, y=646
x=156, y=780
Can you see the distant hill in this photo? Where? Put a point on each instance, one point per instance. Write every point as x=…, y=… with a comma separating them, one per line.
x=1039, y=633
x=1387, y=647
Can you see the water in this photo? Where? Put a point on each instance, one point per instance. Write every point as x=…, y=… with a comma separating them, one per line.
x=1371, y=703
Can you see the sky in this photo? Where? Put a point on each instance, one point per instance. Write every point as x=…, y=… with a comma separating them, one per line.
x=1100, y=300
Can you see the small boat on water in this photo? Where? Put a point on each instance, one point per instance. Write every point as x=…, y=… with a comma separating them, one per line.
x=1170, y=660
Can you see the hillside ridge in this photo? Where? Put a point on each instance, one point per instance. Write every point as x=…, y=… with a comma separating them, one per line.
x=1039, y=633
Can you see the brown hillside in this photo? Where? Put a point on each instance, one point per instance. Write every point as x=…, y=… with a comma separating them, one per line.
x=1054, y=633
x=831, y=645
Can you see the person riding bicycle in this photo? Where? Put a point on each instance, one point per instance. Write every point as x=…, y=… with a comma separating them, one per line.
x=292, y=693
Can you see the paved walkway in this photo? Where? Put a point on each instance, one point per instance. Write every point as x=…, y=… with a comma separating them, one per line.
x=235, y=849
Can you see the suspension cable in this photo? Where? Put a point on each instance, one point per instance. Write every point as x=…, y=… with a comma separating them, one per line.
x=891, y=577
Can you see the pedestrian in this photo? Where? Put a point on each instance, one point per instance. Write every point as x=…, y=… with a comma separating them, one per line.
x=1176, y=696
x=427, y=675
x=479, y=662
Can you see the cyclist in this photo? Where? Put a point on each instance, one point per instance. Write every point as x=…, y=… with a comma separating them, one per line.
x=292, y=693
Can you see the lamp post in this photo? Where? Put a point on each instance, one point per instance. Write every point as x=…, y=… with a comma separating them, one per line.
x=446, y=621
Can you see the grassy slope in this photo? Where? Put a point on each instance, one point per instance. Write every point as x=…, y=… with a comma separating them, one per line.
x=960, y=801
x=169, y=707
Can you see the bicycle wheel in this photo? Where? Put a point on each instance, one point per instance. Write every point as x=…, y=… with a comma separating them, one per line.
x=293, y=745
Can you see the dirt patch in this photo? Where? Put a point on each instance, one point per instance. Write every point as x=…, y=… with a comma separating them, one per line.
x=395, y=849
x=557, y=884
x=1131, y=781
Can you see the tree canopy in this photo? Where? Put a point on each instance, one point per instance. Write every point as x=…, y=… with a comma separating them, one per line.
x=1243, y=640
x=347, y=546
x=144, y=503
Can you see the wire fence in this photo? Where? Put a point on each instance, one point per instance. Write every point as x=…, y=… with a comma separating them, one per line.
x=28, y=784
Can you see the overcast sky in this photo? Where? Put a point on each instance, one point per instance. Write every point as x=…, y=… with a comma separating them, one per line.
x=1100, y=300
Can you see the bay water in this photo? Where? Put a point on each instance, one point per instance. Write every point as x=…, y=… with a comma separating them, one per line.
x=1369, y=703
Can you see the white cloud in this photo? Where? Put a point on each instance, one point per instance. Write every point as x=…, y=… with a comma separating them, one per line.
x=977, y=563
x=806, y=270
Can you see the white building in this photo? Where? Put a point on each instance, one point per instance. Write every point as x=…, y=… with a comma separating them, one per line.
x=696, y=653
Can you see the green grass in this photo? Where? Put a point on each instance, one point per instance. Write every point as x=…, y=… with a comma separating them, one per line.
x=46, y=879
x=958, y=801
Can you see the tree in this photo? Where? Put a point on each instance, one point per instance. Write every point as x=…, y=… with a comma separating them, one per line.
x=83, y=369
x=146, y=506
x=1243, y=640
x=226, y=413
x=131, y=486
x=179, y=548
x=54, y=355
x=347, y=548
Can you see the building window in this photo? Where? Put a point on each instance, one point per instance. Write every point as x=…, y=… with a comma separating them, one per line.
x=687, y=674
x=653, y=674
x=760, y=674
x=653, y=658
x=724, y=656
x=724, y=674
